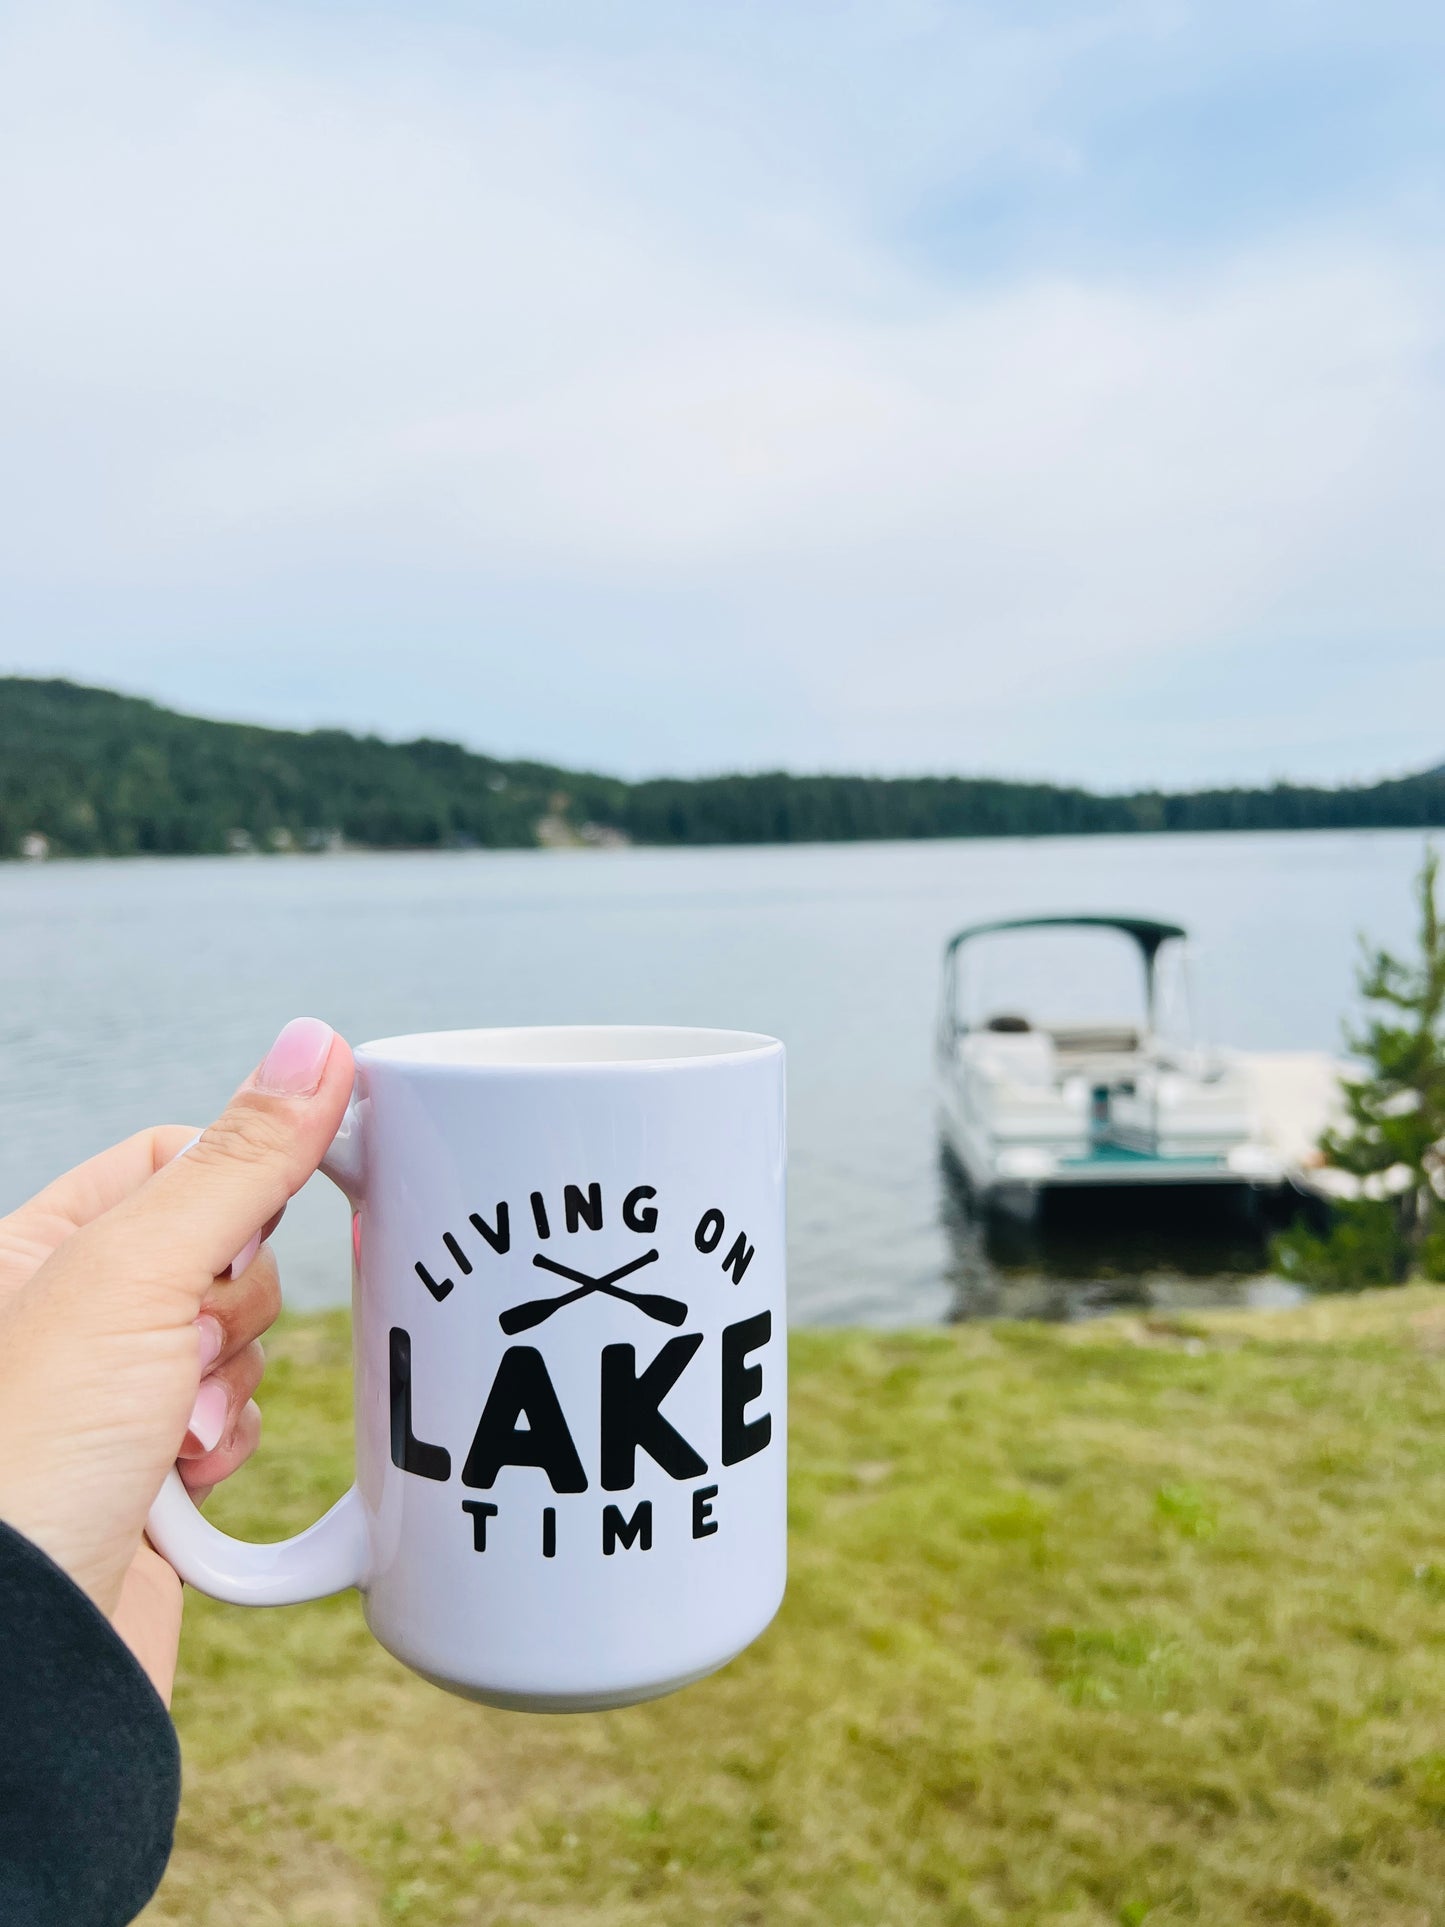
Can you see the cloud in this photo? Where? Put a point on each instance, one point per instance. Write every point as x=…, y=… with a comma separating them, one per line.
x=607, y=367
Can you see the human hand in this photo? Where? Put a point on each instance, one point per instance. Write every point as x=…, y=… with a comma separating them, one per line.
x=125, y=1342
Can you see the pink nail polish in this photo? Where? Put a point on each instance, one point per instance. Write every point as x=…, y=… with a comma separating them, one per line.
x=208, y=1415
x=296, y=1060
x=243, y=1257
x=209, y=1340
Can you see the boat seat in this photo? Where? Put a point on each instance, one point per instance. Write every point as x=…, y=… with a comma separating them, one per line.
x=1096, y=1040
x=1017, y=1057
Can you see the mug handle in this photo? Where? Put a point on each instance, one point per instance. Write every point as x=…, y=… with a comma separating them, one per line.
x=328, y=1557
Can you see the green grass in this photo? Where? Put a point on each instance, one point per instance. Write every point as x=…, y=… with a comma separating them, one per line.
x=1137, y=1622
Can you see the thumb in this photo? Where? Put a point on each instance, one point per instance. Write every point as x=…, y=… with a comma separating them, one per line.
x=188, y=1222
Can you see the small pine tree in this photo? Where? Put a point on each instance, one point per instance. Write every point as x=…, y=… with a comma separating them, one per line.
x=1393, y=1141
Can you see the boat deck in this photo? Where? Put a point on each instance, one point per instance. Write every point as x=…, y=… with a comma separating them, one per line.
x=1116, y=1164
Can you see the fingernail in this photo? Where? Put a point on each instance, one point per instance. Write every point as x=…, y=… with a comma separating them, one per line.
x=243, y=1257
x=209, y=1340
x=208, y=1415
x=296, y=1060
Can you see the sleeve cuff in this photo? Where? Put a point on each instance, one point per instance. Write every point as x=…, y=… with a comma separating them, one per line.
x=90, y=1771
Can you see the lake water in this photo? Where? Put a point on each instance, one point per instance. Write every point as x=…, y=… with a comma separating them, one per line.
x=142, y=991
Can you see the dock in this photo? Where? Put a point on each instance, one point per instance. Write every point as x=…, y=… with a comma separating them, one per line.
x=1296, y=1095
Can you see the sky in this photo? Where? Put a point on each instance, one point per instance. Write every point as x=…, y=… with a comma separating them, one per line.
x=1047, y=390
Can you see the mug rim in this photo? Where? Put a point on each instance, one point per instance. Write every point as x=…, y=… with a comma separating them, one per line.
x=711, y=1045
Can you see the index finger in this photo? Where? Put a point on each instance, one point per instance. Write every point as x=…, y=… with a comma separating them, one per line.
x=80, y=1196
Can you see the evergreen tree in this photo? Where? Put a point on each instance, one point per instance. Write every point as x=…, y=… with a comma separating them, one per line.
x=1393, y=1140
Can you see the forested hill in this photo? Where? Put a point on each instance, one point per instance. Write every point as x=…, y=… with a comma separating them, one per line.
x=91, y=772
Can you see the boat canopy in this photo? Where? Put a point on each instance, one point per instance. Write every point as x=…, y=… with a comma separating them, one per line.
x=1147, y=932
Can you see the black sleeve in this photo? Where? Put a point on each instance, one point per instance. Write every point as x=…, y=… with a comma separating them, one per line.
x=90, y=1772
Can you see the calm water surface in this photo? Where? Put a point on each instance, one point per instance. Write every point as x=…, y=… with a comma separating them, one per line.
x=139, y=991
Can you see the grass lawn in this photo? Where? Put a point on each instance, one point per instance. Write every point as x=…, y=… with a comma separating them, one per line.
x=1138, y=1621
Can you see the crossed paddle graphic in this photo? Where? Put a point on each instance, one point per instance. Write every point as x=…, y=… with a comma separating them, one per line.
x=521, y=1318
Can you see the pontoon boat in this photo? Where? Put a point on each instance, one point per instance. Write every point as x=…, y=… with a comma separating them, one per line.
x=1055, y=1069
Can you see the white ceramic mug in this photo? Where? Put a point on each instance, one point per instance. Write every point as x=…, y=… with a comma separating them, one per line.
x=570, y=1354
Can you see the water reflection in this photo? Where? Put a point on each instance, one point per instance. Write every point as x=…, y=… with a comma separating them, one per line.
x=1084, y=1253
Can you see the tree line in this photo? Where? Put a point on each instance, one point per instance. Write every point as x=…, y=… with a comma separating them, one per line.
x=96, y=773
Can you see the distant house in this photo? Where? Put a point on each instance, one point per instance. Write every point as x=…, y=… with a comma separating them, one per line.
x=554, y=832
x=603, y=836
x=34, y=847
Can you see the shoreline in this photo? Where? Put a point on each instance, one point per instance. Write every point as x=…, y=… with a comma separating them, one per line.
x=619, y=852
